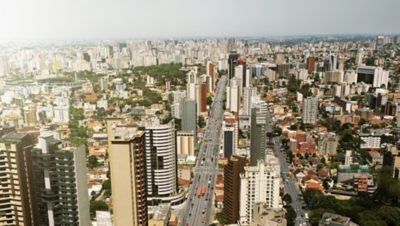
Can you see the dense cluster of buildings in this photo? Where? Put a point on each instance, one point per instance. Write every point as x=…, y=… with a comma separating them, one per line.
x=74, y=121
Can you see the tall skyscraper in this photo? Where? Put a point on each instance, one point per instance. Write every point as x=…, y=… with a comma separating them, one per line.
x=259, y=183
x=128, y=176
x=234, y=93
x=161, y=160
x=257, y=135
x=310, y=110
x=232, y=171
x=189, y=117
x=210, y=72
x=191, y=86
x=229, y=144
x=311, y=64
x=60, y=189
x=203, y=98
x=359, y=57
x=375, y=76
x=16, y=202
x=232, y=58
x=248, y=92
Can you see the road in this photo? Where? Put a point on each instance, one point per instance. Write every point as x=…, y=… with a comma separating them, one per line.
x=197, y=210
x=289, y=184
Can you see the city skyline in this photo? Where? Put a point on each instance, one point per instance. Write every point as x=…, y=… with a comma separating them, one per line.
x=72, y=20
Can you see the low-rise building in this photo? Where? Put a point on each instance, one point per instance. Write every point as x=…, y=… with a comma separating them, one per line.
x=265, y=216
x=330, y=219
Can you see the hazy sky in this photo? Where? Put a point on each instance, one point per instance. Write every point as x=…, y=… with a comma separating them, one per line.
x=102, y=19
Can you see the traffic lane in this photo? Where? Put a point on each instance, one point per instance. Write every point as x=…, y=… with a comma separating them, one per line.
x=291, y=188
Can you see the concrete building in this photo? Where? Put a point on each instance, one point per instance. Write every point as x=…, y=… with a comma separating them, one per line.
x=311, y=65
x=189, y=117
x=257, y=135
x=16, y=202
x=334, y=76
x=374, y=76
x=265, y=216
x=327, y=144
x=232, y=173
x=350, y=77
x=103, y=218
x=232, y=58
x=346, y=173
x=161, y=215
x=248, y=93
x=58, y=171
x=229, y=141
x=61, y=114
x=259, y=183
x=371, y=140
x=128, y=176
x=330, y=219
x=161, y=160
x=310, y=110
x=184, y=143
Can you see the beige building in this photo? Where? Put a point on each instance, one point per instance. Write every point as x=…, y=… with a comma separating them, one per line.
x=15, y=201
x=127, y=157
x=184, y=143
x=161, y=215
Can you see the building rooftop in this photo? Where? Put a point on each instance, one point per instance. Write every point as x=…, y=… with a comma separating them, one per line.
x=335, y=219
x=353, y=168
x=161, y=212
x=13, y=137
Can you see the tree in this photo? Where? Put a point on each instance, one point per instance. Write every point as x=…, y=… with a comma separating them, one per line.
x=221, y=218
x=290, y=215
x=92, y=162
x=287, y=198
x=97, y=205
x=107, y=187
x=209, y=100
x=201, y=121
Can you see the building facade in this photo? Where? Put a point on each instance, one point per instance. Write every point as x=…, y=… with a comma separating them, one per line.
x=128, y=177
x=310, y=110
x=232, y=171
x=258, y=183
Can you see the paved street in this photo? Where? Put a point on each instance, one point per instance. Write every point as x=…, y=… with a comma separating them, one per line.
x=289, y=184
x=197, y=209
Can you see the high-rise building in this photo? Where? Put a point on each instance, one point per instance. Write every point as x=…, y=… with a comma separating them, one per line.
x=128, y=176
x=327, y=144
x=191, y=86
x=232, y=171
x=30, y=115
x=232, y=58
x=359, y=57
x=16, y=202
x=283, y=69
x=184, y=143
x=311, y=64
x=259, y=183
x=229, y=142
x=234, y=93
x=248, y=92
x=59, y=171
x=257, y=135
x=203, y=98
x=380, y=41
x=310, y=110
x=375, y=76
x=161, y=160
x=210, y=72
x=334, y=76
x=189, y=117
